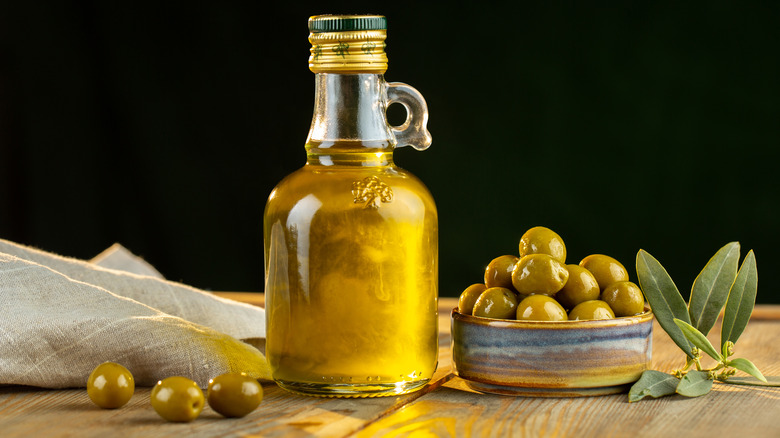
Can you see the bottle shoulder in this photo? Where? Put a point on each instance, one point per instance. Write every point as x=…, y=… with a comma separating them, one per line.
x=348, y=186
x=321, y=178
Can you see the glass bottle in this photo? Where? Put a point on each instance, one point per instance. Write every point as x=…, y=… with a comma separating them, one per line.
x=351, y=240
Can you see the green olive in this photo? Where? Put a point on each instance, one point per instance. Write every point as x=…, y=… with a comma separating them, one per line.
x=499, y=271
x=625, y=298
x=581, y=286
x=593, y=309
x=606, y=269
x=234, y=395
x=540, y=308
x=177, y=399
x=542, y=240
x=469, y=297
x=539, y=274
x=497, y=303
x=110, y=385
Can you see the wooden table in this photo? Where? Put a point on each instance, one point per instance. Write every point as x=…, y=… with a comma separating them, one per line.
x=446, y=407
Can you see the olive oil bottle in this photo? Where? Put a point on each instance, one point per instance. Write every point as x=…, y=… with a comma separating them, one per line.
x=351, y=240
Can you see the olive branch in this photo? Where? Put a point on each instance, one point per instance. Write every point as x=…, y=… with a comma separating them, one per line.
x=719, y=284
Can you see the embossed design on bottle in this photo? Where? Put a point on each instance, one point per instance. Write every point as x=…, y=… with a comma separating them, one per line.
x=372, y=191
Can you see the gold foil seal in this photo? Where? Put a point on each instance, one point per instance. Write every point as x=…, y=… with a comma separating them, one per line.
x=358, y=51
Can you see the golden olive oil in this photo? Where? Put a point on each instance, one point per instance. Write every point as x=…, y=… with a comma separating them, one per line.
x=352, y=287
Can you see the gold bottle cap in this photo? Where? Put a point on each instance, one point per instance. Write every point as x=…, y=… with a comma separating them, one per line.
x=348, y=44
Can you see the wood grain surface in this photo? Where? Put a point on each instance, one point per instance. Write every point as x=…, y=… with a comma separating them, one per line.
x=446, y=407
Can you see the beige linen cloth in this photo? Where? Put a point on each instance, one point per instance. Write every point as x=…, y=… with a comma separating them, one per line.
x=61, y=317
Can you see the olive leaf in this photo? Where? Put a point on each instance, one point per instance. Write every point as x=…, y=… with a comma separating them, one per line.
x=694, y=384
x=664, y=298
x=741, y=300
x=748, y=367
x=654, y=384
x=707, y=299
x=773, y=381
x=698, y=339
x=711, y=287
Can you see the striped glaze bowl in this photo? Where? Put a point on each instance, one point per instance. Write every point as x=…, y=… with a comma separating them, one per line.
x=551, y=359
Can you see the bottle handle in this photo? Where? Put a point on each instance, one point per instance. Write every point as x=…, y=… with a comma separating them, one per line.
x=413, y=132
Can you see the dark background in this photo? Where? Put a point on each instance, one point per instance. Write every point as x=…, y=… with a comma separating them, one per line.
x=165, y=126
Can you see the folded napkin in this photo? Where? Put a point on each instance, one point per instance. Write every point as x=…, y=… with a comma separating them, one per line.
x=117, y=257
x=62, y=317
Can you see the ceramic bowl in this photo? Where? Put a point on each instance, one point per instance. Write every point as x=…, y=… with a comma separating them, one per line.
x=553, y=359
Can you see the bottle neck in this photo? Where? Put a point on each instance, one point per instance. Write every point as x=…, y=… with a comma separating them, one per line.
x=349, y=125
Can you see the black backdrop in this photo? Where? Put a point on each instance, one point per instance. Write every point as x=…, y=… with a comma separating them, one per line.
x=165, y=126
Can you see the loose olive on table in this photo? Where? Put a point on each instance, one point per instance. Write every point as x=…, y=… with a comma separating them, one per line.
x=234, y=395
x=177, y=399
x=110, y=385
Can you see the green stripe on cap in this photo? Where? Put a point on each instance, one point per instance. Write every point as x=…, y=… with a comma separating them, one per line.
x=346, y=23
